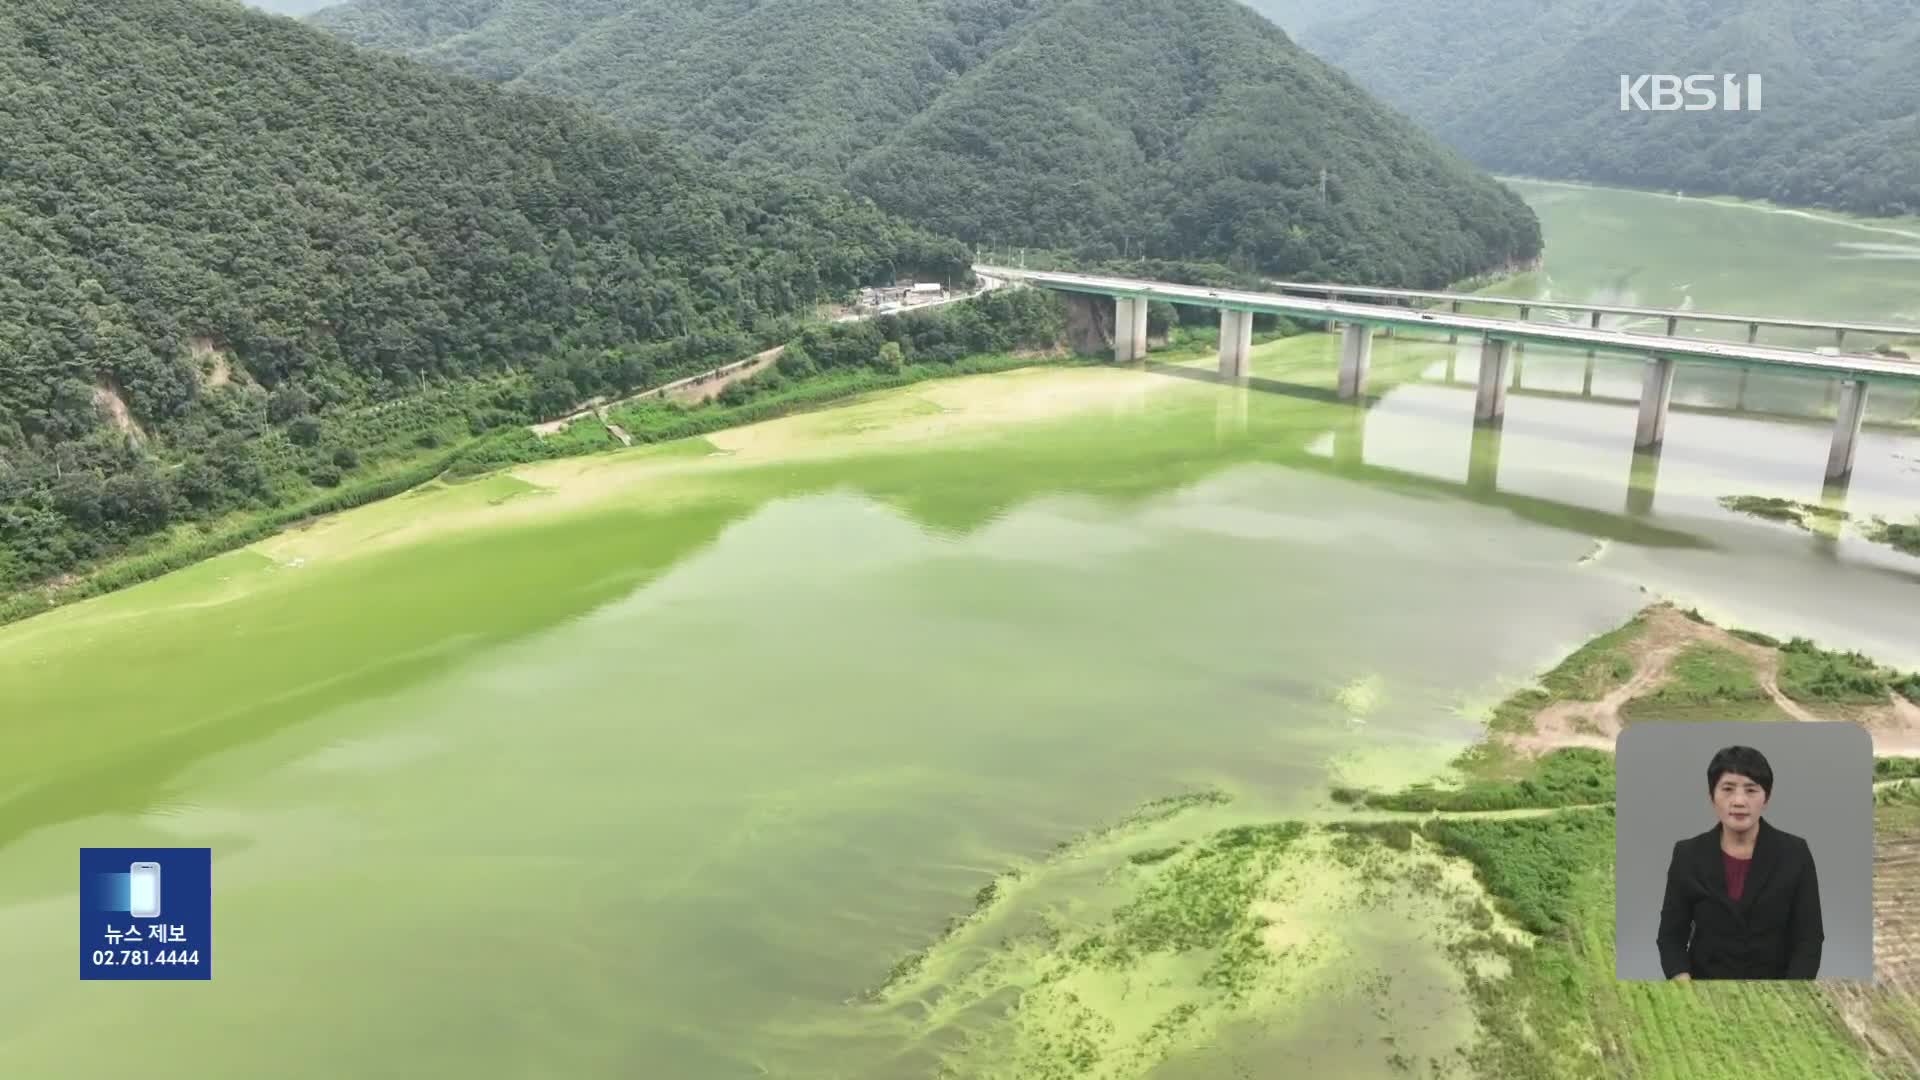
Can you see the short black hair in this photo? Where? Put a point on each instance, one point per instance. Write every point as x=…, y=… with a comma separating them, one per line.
x=1743, y=760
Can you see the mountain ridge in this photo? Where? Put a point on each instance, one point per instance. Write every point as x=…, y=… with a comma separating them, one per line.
x=1107, y=127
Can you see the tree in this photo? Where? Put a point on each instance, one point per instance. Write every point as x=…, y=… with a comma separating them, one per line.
x=287, y=402
x=795, y=361
x=304, y=431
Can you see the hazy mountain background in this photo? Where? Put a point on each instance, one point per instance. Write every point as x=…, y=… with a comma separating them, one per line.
x=1532, y=87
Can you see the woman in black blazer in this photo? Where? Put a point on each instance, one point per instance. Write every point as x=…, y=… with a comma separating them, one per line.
x=1742, y=900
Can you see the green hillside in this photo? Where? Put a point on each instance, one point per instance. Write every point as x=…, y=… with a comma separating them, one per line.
x=1533, y=87
x=1181, y=128
x=802, y=82
x=296, y=8
x=1192, y=129
x=223, y=229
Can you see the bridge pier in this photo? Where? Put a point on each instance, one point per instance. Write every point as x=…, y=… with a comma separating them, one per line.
x=1753, y=332
x=1236, y=344
x=1673, y=322
x=1490, y=401
x=1453, y=336
x=1593, y=323
x=1656, y=393
x=1846, y=428
x=1129, y=329
x=1356, y=352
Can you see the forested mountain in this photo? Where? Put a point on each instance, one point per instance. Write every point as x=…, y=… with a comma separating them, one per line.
x=295, y=8
x=1181, y=128
x=1533, y=87
x=215, y=223
x=798, y=82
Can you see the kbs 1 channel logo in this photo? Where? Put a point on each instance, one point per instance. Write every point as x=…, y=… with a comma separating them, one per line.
x=1689, y=93
x=146, y=913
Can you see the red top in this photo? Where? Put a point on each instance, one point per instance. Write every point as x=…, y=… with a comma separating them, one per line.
x=1736, y=874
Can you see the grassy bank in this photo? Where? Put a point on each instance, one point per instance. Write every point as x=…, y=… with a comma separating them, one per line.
x=1560, y=1011
x=647, y=422
x=1259, y=930
x=187, y=545
x=767, y=396
x=350, y=457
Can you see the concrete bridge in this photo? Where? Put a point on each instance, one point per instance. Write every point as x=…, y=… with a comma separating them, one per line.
x=1673, y=316
x=1121, y=304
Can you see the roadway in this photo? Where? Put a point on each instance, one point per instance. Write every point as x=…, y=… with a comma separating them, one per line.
x=1511, y=330
x=1895, y=330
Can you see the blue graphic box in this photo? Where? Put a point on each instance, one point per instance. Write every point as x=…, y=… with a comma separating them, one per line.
x=146, y=913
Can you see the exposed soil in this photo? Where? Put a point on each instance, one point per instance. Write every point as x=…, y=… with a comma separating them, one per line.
x=212, y=361
x=692, y=390
x=106, y=397
x=1895, y=726
x=708, y=385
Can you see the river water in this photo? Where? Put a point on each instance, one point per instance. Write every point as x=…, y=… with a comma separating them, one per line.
x=647, y=765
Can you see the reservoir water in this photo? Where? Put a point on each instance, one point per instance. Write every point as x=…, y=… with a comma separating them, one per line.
x=651, y=764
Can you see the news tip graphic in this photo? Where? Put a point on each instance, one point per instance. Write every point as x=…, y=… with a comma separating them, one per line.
x=146, y=913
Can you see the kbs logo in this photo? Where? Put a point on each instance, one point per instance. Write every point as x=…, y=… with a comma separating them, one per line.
x=1693, y=93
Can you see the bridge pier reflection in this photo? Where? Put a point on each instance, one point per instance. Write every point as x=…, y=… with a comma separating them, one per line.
x=1350, y=437
x=1643, y=477
x=1827, y=527
x=1230, y=412
x=1483, y=459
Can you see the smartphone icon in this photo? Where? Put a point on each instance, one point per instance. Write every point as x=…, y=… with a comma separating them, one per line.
x=143, y=890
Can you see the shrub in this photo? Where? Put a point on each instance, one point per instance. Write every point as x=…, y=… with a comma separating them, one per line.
x=304, y=431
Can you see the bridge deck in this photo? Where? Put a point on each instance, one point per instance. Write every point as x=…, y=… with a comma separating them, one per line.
x=1578, y=337
x=1881, y=329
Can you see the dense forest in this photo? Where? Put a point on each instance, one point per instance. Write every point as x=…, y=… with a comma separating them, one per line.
x=1531, y=87
x=1183, y=129
x=224, y=230
x=290, y=7
x=1175, y=128
x=807, y=83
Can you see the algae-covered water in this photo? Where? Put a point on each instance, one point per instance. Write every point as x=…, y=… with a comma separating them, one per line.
x=655, y=764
